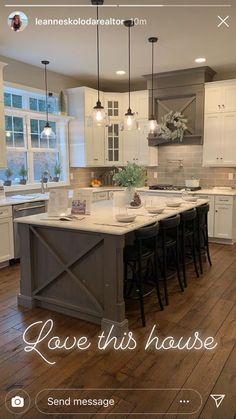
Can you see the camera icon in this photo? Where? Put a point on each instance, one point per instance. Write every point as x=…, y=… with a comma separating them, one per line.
x=17, y=401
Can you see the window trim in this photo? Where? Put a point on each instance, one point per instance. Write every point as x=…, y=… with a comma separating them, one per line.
x=62, y=122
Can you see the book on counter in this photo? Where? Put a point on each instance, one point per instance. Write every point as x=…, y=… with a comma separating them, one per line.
x=81, y=202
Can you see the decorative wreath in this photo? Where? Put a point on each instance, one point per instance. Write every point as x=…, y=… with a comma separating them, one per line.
x=173, y=126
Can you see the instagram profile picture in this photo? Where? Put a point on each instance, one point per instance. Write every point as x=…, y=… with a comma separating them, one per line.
x=17, y=21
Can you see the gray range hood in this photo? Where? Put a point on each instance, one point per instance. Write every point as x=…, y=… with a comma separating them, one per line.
x=184, y=91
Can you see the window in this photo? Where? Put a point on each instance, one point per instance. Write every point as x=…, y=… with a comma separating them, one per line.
x=113, y=143
x=12, y=100
x=23, y=125
x=113, y=108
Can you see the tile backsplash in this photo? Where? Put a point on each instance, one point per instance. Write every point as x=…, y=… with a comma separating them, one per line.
x=191, y=155
x=82, y=176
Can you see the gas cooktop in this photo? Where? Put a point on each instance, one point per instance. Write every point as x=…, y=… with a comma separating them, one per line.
x=167, y=187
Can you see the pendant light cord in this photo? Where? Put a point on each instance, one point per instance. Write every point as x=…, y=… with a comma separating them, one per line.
x=152, y=79
x=46, y=90
x=98, y=59
x=129, y=52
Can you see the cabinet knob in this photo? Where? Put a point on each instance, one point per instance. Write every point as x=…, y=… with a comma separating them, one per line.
x=223, y=106
x=219, y=106
x=221, y=158
x=216, y=210
x=217, y=158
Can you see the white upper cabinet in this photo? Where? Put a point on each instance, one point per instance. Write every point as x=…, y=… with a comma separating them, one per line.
x=86, y=141
x=109, y=146
x=220, y=140
x=2, y=121
x=220, y=96
x=138, y=103
x=219, y=147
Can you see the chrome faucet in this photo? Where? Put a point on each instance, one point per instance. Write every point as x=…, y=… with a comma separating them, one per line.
x=44, y=186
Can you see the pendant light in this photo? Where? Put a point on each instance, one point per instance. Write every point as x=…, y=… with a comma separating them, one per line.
x=129, y=119
x=99, y=116
x=47, y=133
x=152, y=124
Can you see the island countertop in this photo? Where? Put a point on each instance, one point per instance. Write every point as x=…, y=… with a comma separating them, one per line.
x=102, y=218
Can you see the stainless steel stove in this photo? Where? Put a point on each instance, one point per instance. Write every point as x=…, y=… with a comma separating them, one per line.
x=167, y=187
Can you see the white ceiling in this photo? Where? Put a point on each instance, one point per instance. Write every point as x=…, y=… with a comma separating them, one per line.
x=184, y=34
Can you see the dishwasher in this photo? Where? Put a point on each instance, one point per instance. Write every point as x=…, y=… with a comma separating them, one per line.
x=24, y=210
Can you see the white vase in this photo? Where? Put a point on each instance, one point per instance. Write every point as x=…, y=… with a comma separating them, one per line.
x=129, y=195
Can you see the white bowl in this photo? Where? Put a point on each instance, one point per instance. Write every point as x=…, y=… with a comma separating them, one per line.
x=173, y=203
x=155, y=210
x=123, y=218
x=190, y=198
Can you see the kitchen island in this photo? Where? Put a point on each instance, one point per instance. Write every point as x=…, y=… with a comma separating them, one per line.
x=76, y=267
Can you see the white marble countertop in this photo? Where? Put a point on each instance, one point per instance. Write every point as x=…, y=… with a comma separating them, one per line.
x=203, y=191
x=102, y=218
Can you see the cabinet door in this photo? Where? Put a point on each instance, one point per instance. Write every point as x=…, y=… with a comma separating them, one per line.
x=2, y=137
x=214, y=99
x=229, y=100
x=95, y=140
x=113, y=105
x=223, y=221
x=228, y=139
x=113, y=145
x=139, y=103
x=143, y=148
x=6, y=242
x=212, y=140
x=211, y=214
x=90, y=100
x=130, y=146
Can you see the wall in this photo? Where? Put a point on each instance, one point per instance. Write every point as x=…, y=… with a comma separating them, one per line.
x=192, y=166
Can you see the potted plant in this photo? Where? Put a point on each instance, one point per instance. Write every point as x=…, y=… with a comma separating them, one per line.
x=45, y=175
x=8, y=174
x=23, y=172
x=57, y=172
x=132, y=176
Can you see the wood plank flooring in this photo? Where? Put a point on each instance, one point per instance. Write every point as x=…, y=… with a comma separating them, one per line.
x=208, y=305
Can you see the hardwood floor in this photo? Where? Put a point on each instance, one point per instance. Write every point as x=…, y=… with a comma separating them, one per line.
x=208, y=306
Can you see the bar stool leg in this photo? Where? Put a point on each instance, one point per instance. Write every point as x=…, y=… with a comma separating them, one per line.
x=194, y=255
x=164, y=275
x=199, y=251
x=157, y=283
x=140, y=292
x=178, y=268
x=183, y=261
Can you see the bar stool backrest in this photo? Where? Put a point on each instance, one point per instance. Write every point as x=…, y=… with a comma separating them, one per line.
x=170, y=223
x=148, y=232
x=202, y=212
x=189, y=215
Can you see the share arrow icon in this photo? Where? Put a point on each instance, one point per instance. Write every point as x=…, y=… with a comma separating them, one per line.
x=218, y=399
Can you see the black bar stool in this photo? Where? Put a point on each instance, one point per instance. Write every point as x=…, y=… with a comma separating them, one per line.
x=169, y=241
x=202, y=233
x=188, y=239
x=143, y=252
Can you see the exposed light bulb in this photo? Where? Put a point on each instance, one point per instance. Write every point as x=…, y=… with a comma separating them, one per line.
x=153, y=126
x=98, y=115
x=48, y=133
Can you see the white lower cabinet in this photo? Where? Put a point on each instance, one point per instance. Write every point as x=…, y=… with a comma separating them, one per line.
x=223, y=222
x=6, y=234
x=221, y=217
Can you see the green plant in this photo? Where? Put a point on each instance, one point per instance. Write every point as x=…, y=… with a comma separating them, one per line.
x=23, y=172
x=8, y=173
x=45, y=172
x=57, y=169
x=131, y=176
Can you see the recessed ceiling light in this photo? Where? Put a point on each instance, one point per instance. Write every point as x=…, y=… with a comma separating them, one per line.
x=120, y=72
x=200, y=60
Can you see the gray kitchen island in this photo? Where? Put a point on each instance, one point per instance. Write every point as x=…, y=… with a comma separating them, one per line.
x=76, y=267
